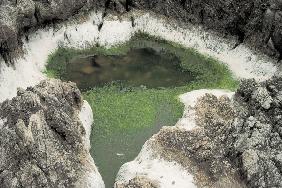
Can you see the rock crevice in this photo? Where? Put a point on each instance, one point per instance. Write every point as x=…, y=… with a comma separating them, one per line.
x=43, y=141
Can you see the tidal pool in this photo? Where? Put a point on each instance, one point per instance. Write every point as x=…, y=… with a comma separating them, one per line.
x=142, y=66
x=133, y=90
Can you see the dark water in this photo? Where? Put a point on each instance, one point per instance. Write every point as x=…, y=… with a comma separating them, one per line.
x=152, y=67
x=144, y=66
x=122, y=146
x=128, y=115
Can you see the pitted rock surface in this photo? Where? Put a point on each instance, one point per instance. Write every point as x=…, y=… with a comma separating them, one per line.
x=239, y=138
x=18, y=17
x=42, y=138
x=208, y=145
x=139, y=182
x=256, y=22
x=258, y=134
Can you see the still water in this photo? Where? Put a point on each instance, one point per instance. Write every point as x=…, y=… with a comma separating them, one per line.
x=144, y=66
x=145, y=63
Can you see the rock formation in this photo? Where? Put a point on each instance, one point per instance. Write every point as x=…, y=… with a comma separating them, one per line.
x=236, y=143
x=44, y=142
x=139, y=182
x=19, y=17
x=255, y=22
x=257, y=135
x=231, y=142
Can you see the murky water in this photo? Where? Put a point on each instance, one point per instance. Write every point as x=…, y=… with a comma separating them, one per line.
x=125, y=119
x=144, y=66
x=149, y=67
x=152, y=67
x=114, y=148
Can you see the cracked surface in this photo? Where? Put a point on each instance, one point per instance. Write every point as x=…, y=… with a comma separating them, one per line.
x=42, y=138
x=17, y=17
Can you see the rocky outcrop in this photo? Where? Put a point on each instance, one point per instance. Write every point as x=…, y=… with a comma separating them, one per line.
x=44, y=142
x=19, y=17
x=192, y=153
x=232, y=143
x=209, y=144
x=256, y=22
x=245, y=134
x=139, y=182
x=258, y=144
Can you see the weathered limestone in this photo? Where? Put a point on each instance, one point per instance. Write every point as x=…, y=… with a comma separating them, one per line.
x=43, y=140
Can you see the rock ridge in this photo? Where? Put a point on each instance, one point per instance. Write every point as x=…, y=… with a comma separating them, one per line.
x=234, y=142
x=43, y=140
x=256, y=23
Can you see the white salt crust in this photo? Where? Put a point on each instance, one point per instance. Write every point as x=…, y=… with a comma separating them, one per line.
x=189, y=100
x=28, y=70
x=149, y=163
x=92, y=178
x=243, y=62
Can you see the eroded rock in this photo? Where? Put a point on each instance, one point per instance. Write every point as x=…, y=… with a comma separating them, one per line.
x=43, y=141
x=19, y=17
x=255, y=22
x=139, y=182
x=235, y=143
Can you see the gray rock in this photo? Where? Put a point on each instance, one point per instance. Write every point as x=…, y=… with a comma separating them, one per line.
x=208, y=146
x=20, y=17
x=250, y=162
x=42, y=138
x=256, y=22
x=258, y=143
x=239, y=139
x=262, y=96
x=139, y=182
x=252, y=21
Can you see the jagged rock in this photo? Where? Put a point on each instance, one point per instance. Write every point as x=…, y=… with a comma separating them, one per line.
x=246, y=137
x=119, y=6
x=262, y=96
x=257, y=22
x=252, y=21
x=18, y=17
x=43, y=141
x=208, y=145
x=258, y=142
x=236, y=143
x=197, y=151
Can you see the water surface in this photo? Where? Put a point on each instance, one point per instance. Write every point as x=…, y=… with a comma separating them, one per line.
x=141, y=66
x=133, y=91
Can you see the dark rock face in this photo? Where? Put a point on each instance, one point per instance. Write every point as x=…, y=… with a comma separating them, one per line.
x=42, y=139
x=240, y=138
x=257, y=22
x=259, y=131
x=19, y=16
